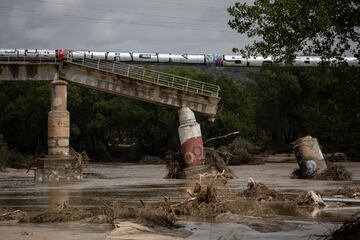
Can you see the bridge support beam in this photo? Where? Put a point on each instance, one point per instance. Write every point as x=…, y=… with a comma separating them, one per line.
x=58, y=165
x=192, y=146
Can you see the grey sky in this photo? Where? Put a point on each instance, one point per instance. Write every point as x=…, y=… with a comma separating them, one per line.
x=185, y=26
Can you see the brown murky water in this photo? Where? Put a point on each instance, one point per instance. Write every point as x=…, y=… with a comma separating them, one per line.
x=130, y=183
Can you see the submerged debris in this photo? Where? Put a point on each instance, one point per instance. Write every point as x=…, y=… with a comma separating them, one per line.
x=206, y=202
x=237, y=152
x=206, y=194
x=61, y=213
x=346, y=192
x=148, y=216
x=203, y=200
x=334, y=172
x=310, y=199
x=9, y=214
x=258, y=191
x=202, y=193
x=81, y=158
x=155, y=217
x=174, y=163
x=214, y=159
x=296, y=173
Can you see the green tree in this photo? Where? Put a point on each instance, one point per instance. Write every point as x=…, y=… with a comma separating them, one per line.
x=23, y=115
x=277, y=99
x=331, y=107
x=284, y=27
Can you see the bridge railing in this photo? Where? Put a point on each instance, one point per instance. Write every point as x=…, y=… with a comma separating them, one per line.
x=152, y=76
x=31, y=59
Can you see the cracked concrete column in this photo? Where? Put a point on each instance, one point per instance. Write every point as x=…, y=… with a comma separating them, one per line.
x=58, y=120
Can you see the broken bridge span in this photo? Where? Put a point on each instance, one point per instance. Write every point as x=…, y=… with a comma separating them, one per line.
x=112, y=77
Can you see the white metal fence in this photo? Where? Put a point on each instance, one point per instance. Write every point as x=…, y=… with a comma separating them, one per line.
x=152, y=76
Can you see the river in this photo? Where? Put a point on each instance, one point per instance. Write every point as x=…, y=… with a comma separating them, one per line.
x=133, y=182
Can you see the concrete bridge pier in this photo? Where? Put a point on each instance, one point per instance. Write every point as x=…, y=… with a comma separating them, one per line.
x=192, y=146
x=58, y=165
x=58, y=120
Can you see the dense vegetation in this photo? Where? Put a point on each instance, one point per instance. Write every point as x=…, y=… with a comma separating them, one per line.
x=273, y=108
x=283, y=28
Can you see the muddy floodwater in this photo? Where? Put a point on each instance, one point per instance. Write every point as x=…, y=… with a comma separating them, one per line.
x=131, y=183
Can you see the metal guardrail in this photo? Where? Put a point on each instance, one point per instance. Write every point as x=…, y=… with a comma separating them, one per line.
x=152, y=76
x=31, y=59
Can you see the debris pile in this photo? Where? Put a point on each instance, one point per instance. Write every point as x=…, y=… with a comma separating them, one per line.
x=81, y=158
x=9, y=214
x=258, y=191
x=146, y=215
x=156, y=217
x=336, y=172
x=310, y=199
x=239, y=151
x=61, y=213
x=213, y=159
x=346, y=191
x=203, y=194
x=206, y=194
x=203, y=199
x=174, y=163
x=296, y=173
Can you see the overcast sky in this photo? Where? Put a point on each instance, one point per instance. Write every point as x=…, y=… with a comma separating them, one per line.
x=186, y=26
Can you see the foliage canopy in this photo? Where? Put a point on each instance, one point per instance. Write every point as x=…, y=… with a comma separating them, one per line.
x=282, y=28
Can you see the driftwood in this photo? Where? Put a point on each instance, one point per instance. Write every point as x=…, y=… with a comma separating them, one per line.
x=200, y=193
x=81, y=158
x=220, y=152
x=183, y=203
x=224, y=136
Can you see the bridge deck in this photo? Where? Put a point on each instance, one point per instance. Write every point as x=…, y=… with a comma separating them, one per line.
x=28, y=71
x=152, y=76
x=122, y=79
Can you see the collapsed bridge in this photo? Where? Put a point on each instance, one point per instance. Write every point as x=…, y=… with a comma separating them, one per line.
x=122, y=79
x=115, y=78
